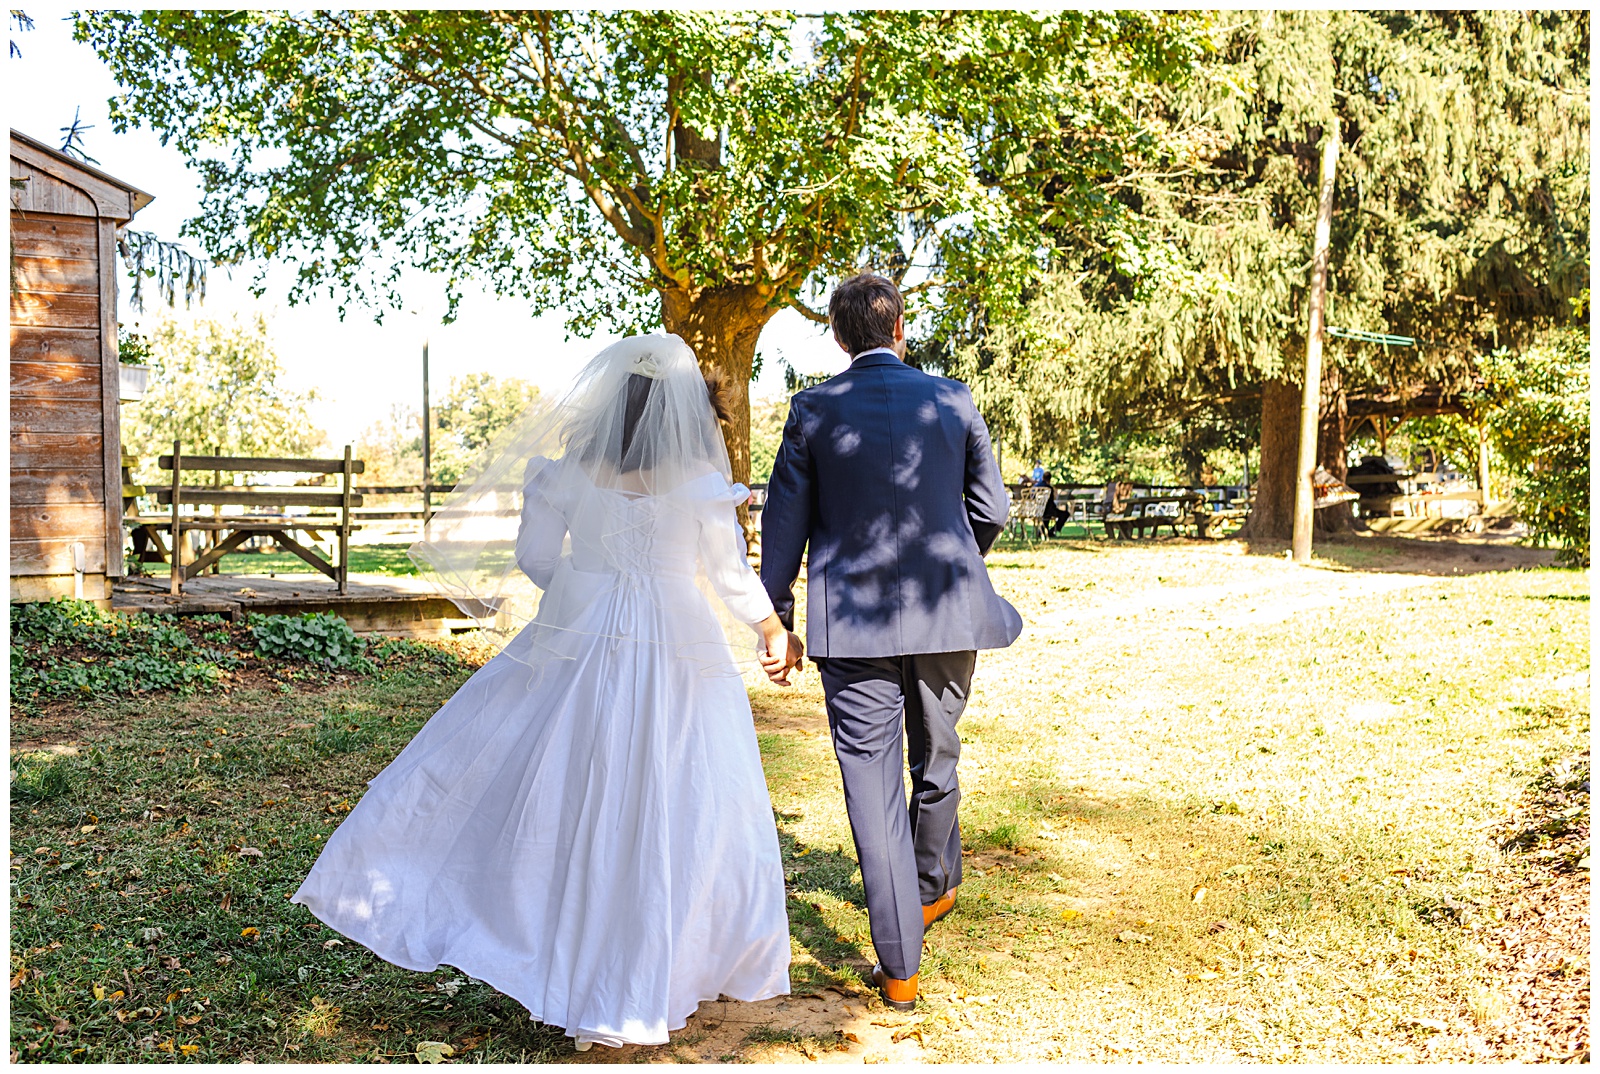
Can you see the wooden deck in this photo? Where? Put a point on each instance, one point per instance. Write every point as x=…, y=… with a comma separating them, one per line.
x=375, y=604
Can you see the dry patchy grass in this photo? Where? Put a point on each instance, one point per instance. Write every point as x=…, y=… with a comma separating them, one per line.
x=1218, y=808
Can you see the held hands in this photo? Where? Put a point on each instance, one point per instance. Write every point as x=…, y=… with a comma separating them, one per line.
x=783, y=651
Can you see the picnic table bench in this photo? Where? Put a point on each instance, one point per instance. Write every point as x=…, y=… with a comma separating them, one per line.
x=242, y=526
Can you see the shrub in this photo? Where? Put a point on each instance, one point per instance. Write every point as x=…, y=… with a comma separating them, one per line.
x=317, y=638
x=1539, y=418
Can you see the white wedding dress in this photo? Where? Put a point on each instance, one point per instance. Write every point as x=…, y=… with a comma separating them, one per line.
x=585, y=825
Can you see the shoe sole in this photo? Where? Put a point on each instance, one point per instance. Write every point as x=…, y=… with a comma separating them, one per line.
x=903, y=1005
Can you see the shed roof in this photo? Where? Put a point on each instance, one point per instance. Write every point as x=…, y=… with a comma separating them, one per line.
x=112, y=196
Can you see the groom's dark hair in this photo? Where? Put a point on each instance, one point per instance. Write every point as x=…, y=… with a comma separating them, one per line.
x=863, y=312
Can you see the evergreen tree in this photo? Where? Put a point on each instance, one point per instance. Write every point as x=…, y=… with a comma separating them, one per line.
x=1461, y=218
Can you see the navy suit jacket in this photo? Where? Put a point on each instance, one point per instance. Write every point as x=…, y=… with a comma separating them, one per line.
x=886, y=473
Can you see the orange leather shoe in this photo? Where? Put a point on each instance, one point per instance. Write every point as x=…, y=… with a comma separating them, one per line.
x=939, y=908
x=901, y=995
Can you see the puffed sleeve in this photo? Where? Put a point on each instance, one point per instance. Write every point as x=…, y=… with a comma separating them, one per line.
x=542, y=529
x=723, y=555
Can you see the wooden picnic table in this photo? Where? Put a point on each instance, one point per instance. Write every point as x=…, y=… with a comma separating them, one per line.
x=1149, y=513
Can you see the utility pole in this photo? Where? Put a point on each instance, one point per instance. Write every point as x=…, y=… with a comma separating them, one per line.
x=427, y=443
x=1311, y=396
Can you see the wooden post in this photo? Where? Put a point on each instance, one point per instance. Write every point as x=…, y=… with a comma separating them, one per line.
x=344, y=526
x=427, y=443
x=1311, y=394
x=1483, y=469
x=177, y=520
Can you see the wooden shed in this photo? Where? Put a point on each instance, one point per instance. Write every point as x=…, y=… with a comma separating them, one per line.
x=66, y=483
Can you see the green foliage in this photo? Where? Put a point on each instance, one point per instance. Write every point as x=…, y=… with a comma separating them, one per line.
x=583, y=158
x=693, y=169
x=319, y=638
x=1538, y=407
x=216, y=385
x=66, y=648
x=766, y=434
x=1461, y=217
x=132, y=347
x=475, y=409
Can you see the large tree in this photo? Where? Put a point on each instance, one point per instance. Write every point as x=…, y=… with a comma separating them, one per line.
x=1461, y=218
x=703, y=170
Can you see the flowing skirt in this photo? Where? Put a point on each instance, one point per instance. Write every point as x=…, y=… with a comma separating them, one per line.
x=588, y=831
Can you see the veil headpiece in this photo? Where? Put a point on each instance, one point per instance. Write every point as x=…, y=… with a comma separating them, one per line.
x=636, y=421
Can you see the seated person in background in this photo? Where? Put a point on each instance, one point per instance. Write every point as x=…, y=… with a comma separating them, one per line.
x=1040, y=477
x=1054, y=517
x=1117, y=495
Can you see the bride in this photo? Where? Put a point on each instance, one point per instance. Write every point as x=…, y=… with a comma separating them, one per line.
x=585, y=825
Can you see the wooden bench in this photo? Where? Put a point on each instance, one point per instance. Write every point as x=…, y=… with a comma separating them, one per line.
x=240, y=528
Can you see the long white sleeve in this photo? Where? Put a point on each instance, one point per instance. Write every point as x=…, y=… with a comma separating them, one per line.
x=539, y=535
x=723, y=555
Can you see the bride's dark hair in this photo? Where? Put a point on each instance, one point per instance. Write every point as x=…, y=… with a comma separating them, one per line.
x=637, y=394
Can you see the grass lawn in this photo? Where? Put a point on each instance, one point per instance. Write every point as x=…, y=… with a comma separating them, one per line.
x=385, y=558
x=1218, y=808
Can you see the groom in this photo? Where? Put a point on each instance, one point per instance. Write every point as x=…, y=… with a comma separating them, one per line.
x=886, y=473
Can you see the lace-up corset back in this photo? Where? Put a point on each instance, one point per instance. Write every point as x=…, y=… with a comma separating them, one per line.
x=632, y=534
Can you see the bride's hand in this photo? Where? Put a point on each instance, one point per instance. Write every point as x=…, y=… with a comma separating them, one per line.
x=778, y=655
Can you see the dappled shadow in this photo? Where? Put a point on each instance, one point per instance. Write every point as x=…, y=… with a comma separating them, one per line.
x=891, y=550
x=1437, y=556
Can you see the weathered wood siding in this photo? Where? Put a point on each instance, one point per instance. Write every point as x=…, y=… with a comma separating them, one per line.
x=59, y=395
x=66, y=482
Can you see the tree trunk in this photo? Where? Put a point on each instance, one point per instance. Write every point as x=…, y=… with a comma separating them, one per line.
x=1331, y=448
x=1272, y=514
x=722, y=326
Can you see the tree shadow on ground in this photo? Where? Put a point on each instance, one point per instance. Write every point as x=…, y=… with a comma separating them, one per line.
x=1437, y=556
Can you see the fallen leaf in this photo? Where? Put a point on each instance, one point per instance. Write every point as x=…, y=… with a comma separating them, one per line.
x=906, y=1033
x=87, y=828
x=852, y=1038
x=99, y=992
x=152, y=935
x=1204, y=975
x=1236, y=870
x=249, y=852
x=1199, y=893
x=433, y=1051
x=250, y=933
x=60, y=1025
x=165, y=1046
x=188, y=1049
x=189, y=1019
x=1129, y=936
x=1070, y=914
x=227, y=900
x=327, y=944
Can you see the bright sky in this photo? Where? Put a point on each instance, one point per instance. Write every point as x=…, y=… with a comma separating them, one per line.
x=358, y=367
